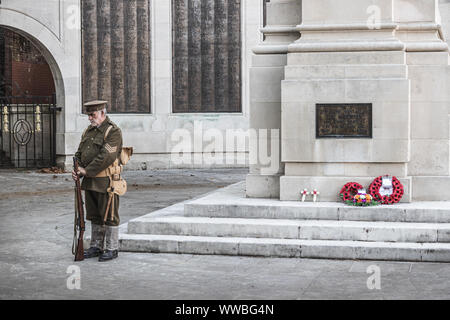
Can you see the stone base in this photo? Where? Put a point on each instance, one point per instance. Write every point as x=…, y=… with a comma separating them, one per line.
x=259, y=186
x=431, y=188
x=329, y=187
x=225, y=222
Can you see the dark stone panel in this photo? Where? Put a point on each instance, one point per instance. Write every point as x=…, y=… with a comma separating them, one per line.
x=89, y=52
x=143, y=55
x=104, y=52
x=195, y=58
x=207, y=61
x=117, y=57
x=221, y=56
x=234, y=56
x=206, y=56
x=180, y=56
x=116, y=53
x=130, y=30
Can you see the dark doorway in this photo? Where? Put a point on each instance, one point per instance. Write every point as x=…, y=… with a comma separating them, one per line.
x=27, y=104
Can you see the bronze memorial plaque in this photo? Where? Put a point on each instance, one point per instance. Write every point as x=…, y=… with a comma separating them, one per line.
x=346, y=120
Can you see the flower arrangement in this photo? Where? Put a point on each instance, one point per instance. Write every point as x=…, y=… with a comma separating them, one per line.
x=355, y=195
x=349, y=191
x=363, y=199
x=387, y=190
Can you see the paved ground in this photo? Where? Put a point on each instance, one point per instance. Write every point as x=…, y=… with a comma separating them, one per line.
x=36, y=229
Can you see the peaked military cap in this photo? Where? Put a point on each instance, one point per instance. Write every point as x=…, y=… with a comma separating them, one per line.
x=95, y=105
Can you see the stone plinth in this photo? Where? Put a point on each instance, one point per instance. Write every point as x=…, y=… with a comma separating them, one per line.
x=386, y=54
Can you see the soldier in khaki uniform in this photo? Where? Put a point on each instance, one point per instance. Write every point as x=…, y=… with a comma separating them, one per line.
x=100, y=146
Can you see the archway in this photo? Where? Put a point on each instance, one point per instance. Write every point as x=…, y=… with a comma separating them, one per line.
x=27, y=102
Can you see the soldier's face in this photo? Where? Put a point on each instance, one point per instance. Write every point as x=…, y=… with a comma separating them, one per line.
x=96, y=118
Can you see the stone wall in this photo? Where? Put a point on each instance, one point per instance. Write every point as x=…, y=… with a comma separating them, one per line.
x=56, y=26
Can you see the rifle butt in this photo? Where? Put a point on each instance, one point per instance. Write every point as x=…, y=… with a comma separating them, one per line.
x=79, y=254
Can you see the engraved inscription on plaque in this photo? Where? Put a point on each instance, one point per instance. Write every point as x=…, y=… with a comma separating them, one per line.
x=349, y=120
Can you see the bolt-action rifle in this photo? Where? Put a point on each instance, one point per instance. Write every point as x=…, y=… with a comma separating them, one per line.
x=79, y=227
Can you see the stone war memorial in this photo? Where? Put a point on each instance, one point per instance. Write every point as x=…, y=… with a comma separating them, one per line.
x=356, y=97
x=364, y=92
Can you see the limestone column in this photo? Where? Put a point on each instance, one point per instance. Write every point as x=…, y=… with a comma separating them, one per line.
x=266, y=74
x=429, y=72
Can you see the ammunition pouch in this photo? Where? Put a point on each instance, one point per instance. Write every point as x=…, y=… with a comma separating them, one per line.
x=117, y=184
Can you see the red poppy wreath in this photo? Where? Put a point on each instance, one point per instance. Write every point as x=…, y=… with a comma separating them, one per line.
x=387, y=190
x=349, y=191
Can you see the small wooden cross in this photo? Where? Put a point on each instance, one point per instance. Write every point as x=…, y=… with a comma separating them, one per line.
x=315, y=193
x=304, y=194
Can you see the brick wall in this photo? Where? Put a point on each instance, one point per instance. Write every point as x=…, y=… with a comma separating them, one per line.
x=32, y=79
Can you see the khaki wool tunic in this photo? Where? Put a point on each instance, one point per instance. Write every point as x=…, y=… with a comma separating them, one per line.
x=95, y=154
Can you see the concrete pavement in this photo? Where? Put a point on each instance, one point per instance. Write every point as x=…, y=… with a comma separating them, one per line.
x=36, y=229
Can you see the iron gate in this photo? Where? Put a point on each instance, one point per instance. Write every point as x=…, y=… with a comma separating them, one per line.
x=28, y=131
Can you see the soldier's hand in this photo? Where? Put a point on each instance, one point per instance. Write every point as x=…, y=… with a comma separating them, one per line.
x=74, y=175
x=81, y=172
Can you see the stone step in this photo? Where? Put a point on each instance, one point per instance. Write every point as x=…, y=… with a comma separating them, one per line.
x=289, y=248
x=292, y=229
x=423, y=212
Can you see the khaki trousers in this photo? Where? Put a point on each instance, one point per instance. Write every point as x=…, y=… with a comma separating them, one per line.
x=96, y=204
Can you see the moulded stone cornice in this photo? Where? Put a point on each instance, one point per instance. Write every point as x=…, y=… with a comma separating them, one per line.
x=278, y=47
x=347, y=26
x=419, y=26
x=422, y=26
x=339, y=46
x=279, y=29
x=271, y=49
x=431, y=46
